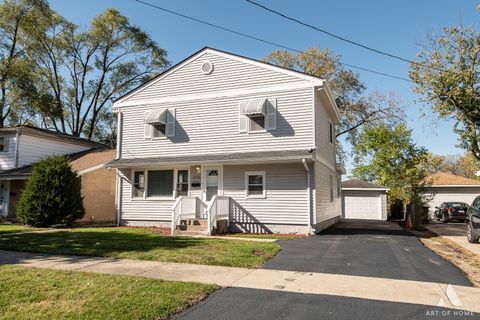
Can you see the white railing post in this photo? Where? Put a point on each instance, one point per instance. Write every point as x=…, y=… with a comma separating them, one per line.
x=174, y=213
x=211, y=215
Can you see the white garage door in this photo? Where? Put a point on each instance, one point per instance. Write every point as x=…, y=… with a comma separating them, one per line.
x=363, y=207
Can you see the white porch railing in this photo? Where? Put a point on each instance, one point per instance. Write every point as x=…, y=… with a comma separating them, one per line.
x=217, y=209
x=183, y=206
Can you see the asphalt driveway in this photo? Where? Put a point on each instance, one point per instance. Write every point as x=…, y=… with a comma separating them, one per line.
x=367, y=248
x=361, y=248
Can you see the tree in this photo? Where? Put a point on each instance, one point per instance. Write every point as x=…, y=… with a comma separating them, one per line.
x=83, y=71
x=388, y=156
x=357, y=109
x=16, y=77
x=465, y=165
x=446, y=75
x=52, y=194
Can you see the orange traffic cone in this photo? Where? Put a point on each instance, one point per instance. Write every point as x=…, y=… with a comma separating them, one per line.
x=409, y=222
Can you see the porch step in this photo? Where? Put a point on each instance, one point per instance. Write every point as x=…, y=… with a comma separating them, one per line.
x=183, y=227
x=194, y=222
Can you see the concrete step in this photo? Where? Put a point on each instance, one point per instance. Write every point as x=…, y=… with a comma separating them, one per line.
x=194, y=222
x=183, y=227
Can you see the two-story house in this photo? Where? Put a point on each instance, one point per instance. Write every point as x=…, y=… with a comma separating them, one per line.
x=23, y=146
x=221, y=140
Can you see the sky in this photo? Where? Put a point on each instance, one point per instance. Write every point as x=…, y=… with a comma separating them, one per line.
x=397, y=27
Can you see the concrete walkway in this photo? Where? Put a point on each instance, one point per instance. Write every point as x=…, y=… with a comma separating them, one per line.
x=380, y=289
x=456, y=232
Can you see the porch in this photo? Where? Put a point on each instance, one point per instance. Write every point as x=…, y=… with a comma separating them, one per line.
x=191, y=215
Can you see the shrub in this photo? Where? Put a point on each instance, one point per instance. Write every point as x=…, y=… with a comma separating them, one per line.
x=51, y=195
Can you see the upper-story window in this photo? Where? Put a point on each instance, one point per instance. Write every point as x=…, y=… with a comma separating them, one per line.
x=160, y=124
x=3, y=144
x=258, y=115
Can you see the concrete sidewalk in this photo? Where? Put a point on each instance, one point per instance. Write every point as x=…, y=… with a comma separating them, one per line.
x=455, y=232
x=381, y=289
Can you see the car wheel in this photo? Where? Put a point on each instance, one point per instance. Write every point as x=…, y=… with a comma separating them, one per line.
x=471, y=237
x=444, y=218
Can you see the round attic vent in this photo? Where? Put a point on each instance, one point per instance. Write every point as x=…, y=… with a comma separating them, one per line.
x=207, y=67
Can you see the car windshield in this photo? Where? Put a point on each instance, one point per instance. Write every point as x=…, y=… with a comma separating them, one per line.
x=457, y=205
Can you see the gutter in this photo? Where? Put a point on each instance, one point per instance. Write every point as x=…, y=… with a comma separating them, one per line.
x=309, y=191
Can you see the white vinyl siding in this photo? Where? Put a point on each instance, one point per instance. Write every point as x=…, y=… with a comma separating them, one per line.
x=228, y=74
x=324, y=128
x=286, y=189
x=324, y=208
x=7, y=157
x=212, y=126
x=33, y=149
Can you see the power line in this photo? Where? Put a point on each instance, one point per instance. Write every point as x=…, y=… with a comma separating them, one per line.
x=263, y=40
x=391, y=55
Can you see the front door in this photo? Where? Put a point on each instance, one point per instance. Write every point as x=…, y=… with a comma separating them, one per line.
x=212, y=182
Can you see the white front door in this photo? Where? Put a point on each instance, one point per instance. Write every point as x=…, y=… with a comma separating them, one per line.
x=211, y=182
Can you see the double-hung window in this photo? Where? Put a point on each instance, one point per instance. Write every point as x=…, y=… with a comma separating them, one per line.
x=3, y=144
x=258, y=115
x=138, y=184
x=255, y=184
x=182, y=183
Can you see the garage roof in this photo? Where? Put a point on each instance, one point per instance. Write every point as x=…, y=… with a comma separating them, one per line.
x=355, y=184
x=450, y=180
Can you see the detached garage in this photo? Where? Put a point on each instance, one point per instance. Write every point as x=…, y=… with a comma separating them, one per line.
x=446, y=187
x=364, y=200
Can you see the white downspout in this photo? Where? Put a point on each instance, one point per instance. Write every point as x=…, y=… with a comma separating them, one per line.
x=307, y=169
x=119, y=186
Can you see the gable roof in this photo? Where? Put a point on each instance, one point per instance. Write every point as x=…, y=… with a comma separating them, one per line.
x=204, y=50
x=355, y=184
x=80, y=161
x=53, y=135
x=448, y=179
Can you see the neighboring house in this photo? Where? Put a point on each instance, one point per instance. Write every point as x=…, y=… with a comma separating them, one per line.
x=23, y=146
x=221, y=139
x=364, y=200
x=446, y=187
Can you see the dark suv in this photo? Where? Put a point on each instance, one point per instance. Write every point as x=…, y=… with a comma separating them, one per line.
x=449, y=211
x=473, y=221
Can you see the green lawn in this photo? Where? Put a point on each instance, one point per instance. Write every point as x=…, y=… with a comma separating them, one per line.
x=28, y=293
x=12, y=228
x=142, y=244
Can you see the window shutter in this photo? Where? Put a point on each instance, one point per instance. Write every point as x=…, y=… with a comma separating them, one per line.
x=170, y=128
x=271, y=118
x=148, y=131
x=242, y=120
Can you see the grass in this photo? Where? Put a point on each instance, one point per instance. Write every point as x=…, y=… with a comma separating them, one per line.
x=12, y=228
x=142, y=244
x=265, y=236
x=464, y=259
x=28, y=293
